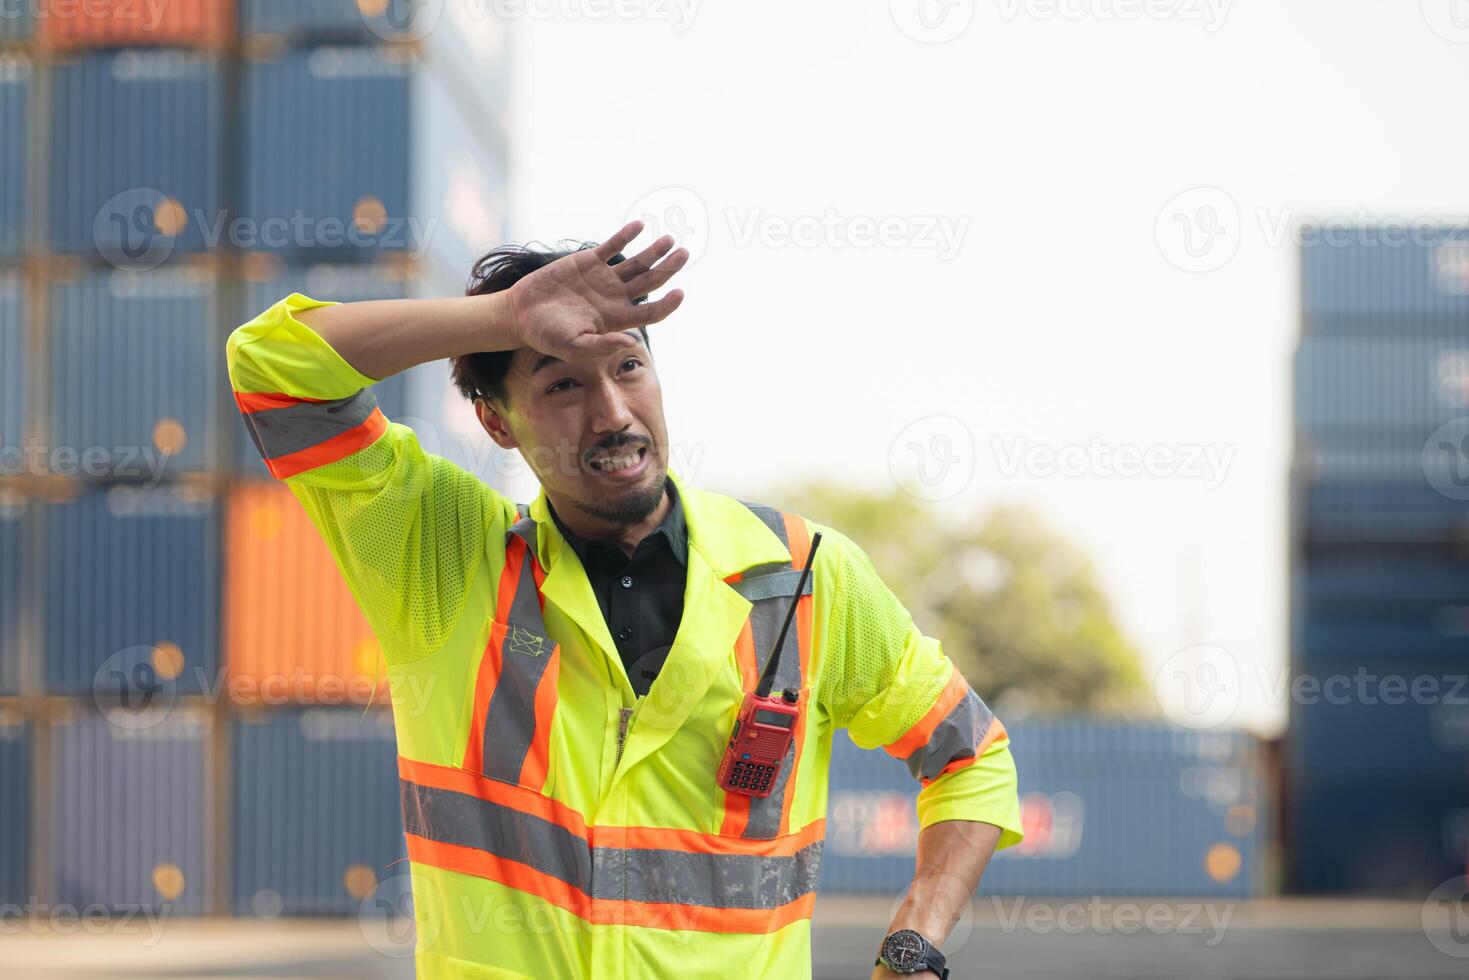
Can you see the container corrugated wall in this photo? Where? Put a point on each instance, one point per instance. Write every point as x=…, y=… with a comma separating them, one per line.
x=131, y=584
x=293, y=630
x=137, y=371
x=128, y=809
x=1375, y=282
x=125, y=23
x=136, y=154
x=15, y=808
x=328, y=20
x=14, y=507
x=1381, y=386
x=15, y=94
x=1107, y=808
x=318, y=174
x=17, y=22
x=316, y=821
x=339, y=282
x=13, y=373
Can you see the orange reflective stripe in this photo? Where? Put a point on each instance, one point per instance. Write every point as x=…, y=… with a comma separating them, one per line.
x=337, y=447
x=737, y=805
x=260, y=401
x=917, y=736
x=800, y=547
x=493, y=790
x=538, y=757
x=493, y=658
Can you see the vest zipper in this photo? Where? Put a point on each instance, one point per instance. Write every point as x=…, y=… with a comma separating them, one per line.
x=623, y=717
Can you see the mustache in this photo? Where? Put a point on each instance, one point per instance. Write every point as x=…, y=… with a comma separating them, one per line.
x=619, y=442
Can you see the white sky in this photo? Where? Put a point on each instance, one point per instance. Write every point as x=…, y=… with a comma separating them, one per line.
x=1053, y=143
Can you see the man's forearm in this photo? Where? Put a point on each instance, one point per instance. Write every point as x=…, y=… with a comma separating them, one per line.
x=952, y=855
x=382, y=338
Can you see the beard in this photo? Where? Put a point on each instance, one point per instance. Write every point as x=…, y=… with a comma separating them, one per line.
x=629, y=507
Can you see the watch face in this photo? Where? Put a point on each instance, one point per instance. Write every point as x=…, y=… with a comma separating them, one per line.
x=903, y=951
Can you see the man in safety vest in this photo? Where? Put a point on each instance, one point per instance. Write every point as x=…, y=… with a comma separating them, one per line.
x=614, y=707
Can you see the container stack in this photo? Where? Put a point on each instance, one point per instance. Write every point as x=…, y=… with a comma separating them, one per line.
x=1379, y=741
x=185, y=682
x=1107, y=809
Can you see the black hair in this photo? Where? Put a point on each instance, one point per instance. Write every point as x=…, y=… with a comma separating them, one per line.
x=482, y=374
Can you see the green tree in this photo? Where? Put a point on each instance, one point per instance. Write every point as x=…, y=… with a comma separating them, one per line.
x=1016, y=606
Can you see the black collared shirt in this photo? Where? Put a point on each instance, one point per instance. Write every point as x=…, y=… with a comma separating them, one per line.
x=642, y=596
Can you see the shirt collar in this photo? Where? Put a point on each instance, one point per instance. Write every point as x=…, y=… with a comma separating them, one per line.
x=673, y=527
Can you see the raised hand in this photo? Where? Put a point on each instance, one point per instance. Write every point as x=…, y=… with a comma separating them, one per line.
x=579, y=306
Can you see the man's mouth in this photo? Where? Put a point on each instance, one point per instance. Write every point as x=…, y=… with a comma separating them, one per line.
x=621, y=462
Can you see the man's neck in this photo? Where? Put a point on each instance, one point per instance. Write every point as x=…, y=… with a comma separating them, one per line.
x=626, y=536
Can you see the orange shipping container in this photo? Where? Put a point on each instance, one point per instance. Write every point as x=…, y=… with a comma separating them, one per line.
x=293, y=631
x=115, y=23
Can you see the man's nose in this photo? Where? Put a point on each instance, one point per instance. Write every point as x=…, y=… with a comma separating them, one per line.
x=610, y=411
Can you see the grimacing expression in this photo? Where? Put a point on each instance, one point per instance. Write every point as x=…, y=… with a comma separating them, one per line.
x=592, y=429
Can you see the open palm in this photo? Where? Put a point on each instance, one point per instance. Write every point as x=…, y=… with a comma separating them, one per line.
x=579, y=306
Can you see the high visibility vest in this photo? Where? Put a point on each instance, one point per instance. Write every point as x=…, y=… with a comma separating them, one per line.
x=540, y=886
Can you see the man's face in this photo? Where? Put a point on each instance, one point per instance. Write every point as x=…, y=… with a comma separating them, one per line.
x=592, y=430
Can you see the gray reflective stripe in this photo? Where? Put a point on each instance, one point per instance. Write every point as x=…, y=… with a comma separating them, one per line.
x=772, y=518
x=730, y=881
x=957, y=737
x=765, y=814
x=523, y=510
x=454, y=818
x=510, y=719
x=771, y=585
x=279, y=432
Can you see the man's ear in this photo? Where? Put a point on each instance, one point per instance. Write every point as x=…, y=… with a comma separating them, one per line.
x=494, y=423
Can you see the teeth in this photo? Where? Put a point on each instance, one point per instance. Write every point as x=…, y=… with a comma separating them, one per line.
x=608, y=463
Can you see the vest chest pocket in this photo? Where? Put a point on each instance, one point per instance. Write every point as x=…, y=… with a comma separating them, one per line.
x=514, y=704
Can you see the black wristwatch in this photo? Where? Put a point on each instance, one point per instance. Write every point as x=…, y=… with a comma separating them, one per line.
x=905, y=951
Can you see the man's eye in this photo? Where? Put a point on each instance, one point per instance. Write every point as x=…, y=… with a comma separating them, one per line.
x=563, y=385
x=633, y=361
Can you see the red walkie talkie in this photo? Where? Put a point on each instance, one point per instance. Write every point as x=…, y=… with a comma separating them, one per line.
x=766, y=723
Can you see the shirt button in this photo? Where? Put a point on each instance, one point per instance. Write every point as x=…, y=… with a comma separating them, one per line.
x=627, y=581
x=625, y=633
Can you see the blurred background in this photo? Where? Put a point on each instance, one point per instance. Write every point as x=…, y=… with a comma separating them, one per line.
x=1131, y=340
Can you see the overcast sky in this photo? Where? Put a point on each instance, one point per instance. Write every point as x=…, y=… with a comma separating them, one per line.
x=969, y=254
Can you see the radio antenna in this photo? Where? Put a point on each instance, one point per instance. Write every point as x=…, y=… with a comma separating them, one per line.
x=767, y=677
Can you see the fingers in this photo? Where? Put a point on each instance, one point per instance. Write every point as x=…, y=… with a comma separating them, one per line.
x=659, y=275
x=643, y=261
x=608, y=249
x=641, y=316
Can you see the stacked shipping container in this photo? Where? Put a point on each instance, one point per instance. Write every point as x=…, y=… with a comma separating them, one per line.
x=1379, y=743
x=179, y=651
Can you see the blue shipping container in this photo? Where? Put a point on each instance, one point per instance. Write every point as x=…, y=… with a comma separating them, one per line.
x=328, y=20
x=317, y=823
x=13, y=587
x=1380, y=835
x=1409, y=513
x=15, y=808
x=1381, y=387
x=325, y=145
x=1409, y=630
x=1375, y=281
x=342, y=283
x=12, y=375
x=1107, y=809
x=137, y=151
x=128, y=795
x=132, y=592
x=137, y=370
x=1388, y=714
x=15, y=95
x=17, y=21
